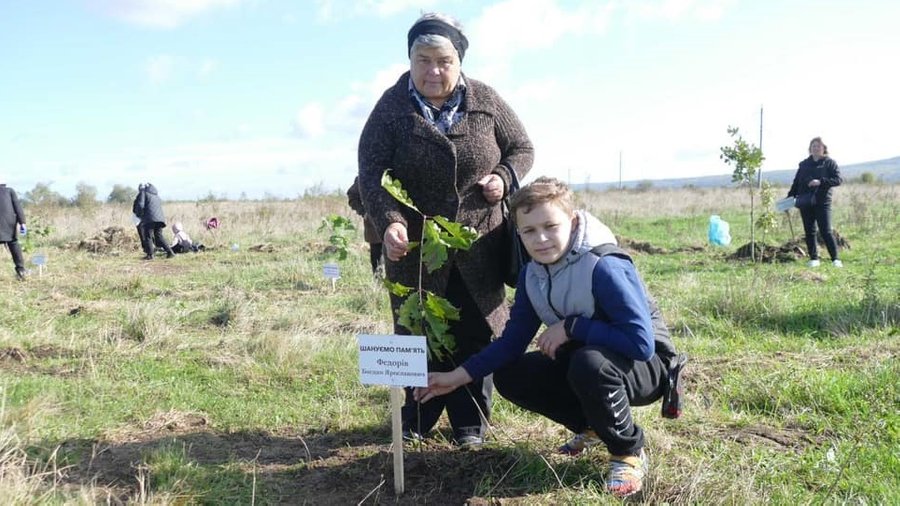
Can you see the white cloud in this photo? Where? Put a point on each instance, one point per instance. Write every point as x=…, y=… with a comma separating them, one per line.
x=159, y=68
x=675, y=10
x=310, y=121
x=328, y=10
x=158, y=13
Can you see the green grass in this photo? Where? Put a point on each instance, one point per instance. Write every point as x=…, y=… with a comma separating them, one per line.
x=231, y=377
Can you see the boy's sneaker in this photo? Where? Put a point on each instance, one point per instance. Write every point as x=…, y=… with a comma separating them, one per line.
x=837, y=263
x=579, y=443
x=813, y=263
x=626, y=474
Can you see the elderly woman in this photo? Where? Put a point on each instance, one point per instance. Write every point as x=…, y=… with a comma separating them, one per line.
x=453, y=143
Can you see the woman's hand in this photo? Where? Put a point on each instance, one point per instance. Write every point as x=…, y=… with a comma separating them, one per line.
x=552, y=338
x=441, y=383
x=492, y=188
x=396, y=242
x=814, y=183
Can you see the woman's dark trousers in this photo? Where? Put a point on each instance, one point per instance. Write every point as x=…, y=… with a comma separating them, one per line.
x=463, y=404
x=153, y=234
x=586, y=387
x=18, y=259
x=820, y=213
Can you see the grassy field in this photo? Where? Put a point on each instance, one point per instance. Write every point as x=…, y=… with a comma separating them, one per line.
x=230, y=376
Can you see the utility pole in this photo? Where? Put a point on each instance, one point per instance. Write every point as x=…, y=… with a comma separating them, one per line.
x=620, y=169
x=759, y=172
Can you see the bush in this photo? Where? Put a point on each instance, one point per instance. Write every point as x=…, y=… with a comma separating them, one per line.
x=121, y=194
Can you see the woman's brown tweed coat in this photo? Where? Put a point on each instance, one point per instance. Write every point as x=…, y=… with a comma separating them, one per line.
x=440, y=173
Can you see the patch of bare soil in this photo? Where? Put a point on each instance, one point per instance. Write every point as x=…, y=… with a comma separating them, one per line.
x=262, y=248
x=109, y=241
x=290, y=467
x=790, y=251
x=650, y=249
x=786, y=438
x=27, y=361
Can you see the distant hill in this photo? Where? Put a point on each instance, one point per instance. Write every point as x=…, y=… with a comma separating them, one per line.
x=887, y=170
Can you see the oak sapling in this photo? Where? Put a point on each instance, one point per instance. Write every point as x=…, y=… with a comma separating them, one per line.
x=423, y=312
x=340, y=228
x=746, y=159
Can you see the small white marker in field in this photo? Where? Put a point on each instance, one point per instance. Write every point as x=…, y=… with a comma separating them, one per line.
x=332, y=271
x=396, y=361
x=39, y=259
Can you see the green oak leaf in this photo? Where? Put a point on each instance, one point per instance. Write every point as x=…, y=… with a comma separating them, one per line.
x=409, y=314
x=395, y=189
x=396, y=288
x=434, y=249
x=440, y=307
x=456, y=235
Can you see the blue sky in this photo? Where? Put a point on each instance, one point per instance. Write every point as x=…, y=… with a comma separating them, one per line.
x=269, y=96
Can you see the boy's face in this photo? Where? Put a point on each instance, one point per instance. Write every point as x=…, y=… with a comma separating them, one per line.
x=545, y=231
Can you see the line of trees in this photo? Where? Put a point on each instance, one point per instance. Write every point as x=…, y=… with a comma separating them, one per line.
x=85, y=196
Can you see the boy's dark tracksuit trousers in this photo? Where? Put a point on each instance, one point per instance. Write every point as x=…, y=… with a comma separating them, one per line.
x=586, y=387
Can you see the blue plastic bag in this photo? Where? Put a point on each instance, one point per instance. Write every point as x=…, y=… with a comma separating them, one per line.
x=719, y=234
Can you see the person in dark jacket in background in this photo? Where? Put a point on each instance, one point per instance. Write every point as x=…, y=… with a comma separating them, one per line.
x=605, y=347
x=369, y=232
x=12, y=221
x=817, y=174
x=152, y=222
x=136, y=210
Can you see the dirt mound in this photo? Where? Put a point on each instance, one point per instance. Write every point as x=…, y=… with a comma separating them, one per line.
x=788, y=252
x=646, y=247
x=110, y=241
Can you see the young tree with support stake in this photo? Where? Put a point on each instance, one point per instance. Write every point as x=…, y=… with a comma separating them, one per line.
x=746, y=159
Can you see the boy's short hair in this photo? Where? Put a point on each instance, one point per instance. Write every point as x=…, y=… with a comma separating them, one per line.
x=541, y=190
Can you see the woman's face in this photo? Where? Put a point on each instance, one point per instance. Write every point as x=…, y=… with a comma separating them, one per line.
x=817, y=149
x=545, y=231
x=435, y=72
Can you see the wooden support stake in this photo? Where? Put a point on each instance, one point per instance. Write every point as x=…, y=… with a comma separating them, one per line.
x=397, y=398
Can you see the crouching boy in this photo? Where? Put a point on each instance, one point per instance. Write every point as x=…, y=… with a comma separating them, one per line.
x=605, y=347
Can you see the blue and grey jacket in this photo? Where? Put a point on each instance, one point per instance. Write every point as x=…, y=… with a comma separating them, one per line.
x=596, y=289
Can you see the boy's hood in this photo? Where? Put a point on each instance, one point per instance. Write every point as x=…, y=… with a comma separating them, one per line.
x=589, y=232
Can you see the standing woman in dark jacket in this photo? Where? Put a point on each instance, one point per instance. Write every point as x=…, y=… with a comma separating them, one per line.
x=152, y=221
x=12, y=219
x=817, y=175
x=453, y=143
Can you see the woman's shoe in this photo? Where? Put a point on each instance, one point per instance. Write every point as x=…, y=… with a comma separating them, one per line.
x=837, y=263
x=813, y=263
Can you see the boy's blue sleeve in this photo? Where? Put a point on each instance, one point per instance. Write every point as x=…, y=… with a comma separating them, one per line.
x=519, y=331
x=618, y=291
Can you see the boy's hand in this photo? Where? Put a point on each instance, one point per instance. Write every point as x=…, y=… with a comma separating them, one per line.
x=441, y=383
x=552, y=338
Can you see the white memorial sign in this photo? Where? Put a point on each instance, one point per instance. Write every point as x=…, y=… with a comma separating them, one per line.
x=394, y=360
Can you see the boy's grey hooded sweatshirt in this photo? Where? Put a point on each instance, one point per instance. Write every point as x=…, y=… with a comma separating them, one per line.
x=573, y=289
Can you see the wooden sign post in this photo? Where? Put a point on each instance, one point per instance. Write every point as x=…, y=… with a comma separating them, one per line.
x=397, y=361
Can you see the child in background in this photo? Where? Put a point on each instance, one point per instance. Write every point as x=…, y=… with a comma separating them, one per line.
x=605, y=347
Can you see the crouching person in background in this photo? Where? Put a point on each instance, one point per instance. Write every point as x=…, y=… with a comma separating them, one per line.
x=182, y=242
x=605, y=347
